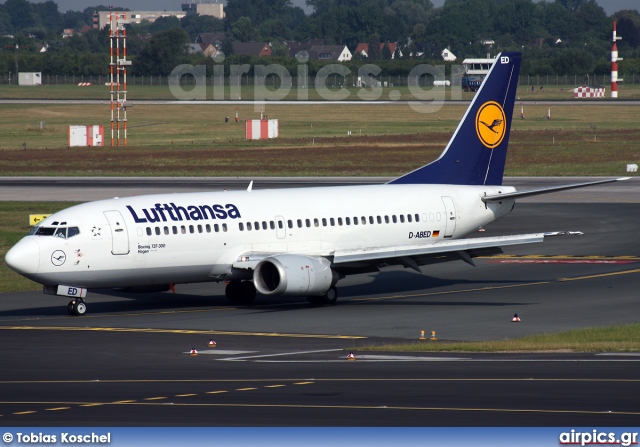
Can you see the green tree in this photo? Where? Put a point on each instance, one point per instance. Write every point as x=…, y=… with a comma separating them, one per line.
x=22, y=14
x=386, y=52
x=164, y=24
x=163, y=53
x=243, y=30
x=374, y=47
x=49, y=15
x=195, y=24
x=630, y=32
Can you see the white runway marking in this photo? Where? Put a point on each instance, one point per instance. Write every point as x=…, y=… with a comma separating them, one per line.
x=221, y=352
x=407, y=358
x=279, y=354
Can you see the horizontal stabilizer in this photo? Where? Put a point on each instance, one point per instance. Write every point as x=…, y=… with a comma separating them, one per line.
x=536, y=192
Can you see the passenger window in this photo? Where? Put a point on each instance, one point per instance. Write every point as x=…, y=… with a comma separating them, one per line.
x=148, y=231
x=418, y=218
x=175, y=230
x=248, y=226
x=355, y=221
x=386, y=219
x=199, y=228
x=166, y=230
x=340, y=221
x=191, y=229
x=379, y=219
x=280, y=224
x=72, y=231
x=290, y=223
x=264, y=225
x=363, y=220
x=272, y=225
x=307, y=223
x=157, y=231
x=401, y=218
x=332, y=221
x=371, y=220
x=241, y=226
x=394, y=219
x=208, y=228
x=409, y=218
x=324, y=221
x=316, y=223
x=256, y=225
x=224, y=227
x=216, y=228
x=347, y=220
x=183, y=229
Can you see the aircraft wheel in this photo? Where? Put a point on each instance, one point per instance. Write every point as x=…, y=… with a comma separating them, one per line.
x=70, y=307
x=79, y=308
x=247, y=292
x=233, y=292
x=331, y=296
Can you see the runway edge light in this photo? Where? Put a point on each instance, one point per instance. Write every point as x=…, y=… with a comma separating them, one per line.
x=433, y=336
x=422, y=337
x=193, y=351
x=212, y=344
x=351, y=356
x=515, y=319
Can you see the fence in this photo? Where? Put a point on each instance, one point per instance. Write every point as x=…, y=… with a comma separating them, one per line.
x=333, y=80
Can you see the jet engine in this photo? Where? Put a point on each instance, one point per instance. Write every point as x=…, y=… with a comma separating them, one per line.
x=293, y=275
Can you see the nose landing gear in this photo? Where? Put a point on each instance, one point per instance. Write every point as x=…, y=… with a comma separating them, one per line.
x=77, y=307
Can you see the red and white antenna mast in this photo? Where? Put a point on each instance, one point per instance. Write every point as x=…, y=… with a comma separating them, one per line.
x=118, y=72
x=614, y=64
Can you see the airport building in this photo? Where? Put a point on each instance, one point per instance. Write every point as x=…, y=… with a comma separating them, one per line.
x=101, y=18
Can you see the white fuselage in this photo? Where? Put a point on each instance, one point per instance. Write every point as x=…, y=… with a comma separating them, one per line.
x=196, y=237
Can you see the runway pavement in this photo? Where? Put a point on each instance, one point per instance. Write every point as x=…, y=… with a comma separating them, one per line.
x=282, y=363
x=81, y=189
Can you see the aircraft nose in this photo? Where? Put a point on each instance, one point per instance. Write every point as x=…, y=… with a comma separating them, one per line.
x=24, y=257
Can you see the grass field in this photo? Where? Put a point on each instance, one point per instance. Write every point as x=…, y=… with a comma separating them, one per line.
x=248, y=92
x=390, y=139
x=602, y=339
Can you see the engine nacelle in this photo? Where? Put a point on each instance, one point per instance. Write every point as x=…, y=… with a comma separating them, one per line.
x=293, y=275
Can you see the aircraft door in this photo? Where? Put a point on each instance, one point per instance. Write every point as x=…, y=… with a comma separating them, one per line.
x=119, y=234
x=281, y=230
x=450, y=216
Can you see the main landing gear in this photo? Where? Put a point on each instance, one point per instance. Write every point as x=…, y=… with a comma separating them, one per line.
x=240, y=292
x=77, y=307
x=328, y=299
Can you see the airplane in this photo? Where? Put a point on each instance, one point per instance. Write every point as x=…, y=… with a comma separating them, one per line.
x=299, y=241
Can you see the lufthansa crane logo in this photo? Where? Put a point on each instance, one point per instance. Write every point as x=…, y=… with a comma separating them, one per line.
x=491, y=124
x=58, y=257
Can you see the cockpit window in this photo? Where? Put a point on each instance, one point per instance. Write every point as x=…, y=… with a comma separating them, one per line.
x=61, y=232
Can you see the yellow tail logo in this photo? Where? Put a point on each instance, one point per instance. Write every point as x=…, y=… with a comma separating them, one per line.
x=491, y=124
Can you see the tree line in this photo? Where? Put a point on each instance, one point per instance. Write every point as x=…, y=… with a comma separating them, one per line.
x=561, y=37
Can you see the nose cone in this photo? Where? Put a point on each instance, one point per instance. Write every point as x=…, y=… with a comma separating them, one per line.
x=24, y=257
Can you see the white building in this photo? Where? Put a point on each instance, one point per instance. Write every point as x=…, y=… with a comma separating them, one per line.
x=448, y=56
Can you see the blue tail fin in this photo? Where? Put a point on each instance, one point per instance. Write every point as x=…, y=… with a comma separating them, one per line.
x=477, y=151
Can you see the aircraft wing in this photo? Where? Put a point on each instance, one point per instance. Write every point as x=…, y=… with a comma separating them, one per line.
x=411, y=255
x=535, y=192
x=416, y=253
